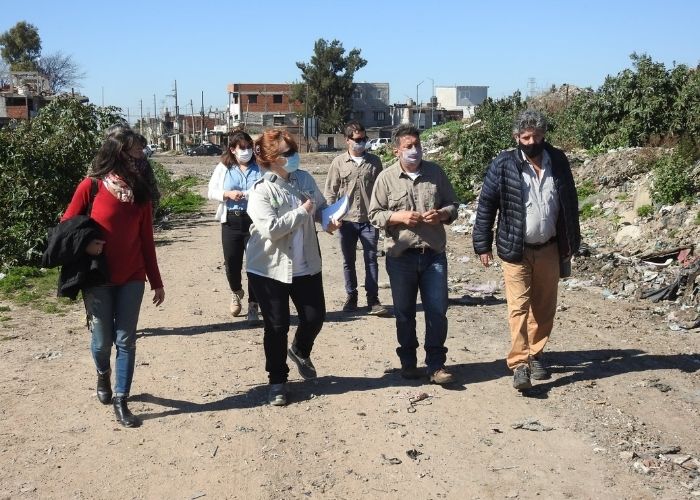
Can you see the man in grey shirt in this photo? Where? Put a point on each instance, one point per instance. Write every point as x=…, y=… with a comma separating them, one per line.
x=412, y=200
x=531, y=190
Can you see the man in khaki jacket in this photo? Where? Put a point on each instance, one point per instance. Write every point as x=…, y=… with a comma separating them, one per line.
x=412, y=200
x=353, y=174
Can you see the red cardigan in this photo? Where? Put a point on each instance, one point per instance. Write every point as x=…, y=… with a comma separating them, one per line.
x=128, y=233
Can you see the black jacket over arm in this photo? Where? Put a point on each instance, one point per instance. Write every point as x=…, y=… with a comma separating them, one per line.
x=66, y=248
x=501, y=196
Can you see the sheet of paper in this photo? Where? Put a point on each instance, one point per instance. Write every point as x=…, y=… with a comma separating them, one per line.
x=336, y=211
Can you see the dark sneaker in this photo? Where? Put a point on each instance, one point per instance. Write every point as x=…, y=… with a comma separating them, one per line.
x=538, y=370
x=350, y=303
x=441, y=376
x=307, y=370
x=521, y=377
x=412, y=372
x=278, y=395
x=375, y=308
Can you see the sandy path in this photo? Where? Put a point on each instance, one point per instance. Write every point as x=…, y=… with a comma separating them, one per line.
x=200, y=389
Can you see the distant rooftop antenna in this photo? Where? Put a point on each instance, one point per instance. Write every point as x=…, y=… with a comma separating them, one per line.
x=531, y=87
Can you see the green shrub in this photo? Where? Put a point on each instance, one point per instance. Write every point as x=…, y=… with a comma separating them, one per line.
x=177, y=196
x=672, y=184
x=589, y=211
x=471, y=148
x=41, y=163
x=645, y=211
x=585, y=189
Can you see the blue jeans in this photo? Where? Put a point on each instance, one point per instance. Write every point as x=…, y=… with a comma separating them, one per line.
x=113, y=312
x=427, y=273
x=369, y=236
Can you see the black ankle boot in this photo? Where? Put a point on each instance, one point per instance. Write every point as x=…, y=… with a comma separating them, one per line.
x=104, y=387
x=124, y=416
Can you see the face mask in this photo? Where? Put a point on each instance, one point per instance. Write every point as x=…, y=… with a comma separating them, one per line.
x=532, y=150
x=358, y=147
x=243, y=155
x=292, y=163
x=412, y=157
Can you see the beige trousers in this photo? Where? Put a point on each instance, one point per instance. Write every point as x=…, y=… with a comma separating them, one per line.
x=531, y=294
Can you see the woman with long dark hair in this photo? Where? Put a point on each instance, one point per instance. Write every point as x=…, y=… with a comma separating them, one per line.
x=233, y=177
x=122, y=208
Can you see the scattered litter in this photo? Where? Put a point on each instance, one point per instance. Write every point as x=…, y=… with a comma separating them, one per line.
x=488, y=288
x=49, y=355
x=413, y=454
x=531, y=424
x=391, y=460
x=412, y=400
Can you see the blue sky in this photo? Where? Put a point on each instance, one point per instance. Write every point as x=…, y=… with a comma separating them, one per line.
x=132, y=50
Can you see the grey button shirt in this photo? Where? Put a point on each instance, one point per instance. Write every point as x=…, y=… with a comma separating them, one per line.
x=541, y=202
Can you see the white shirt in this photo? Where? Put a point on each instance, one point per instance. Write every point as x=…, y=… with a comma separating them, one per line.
x=541, y=202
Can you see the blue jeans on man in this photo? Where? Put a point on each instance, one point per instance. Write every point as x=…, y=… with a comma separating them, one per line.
x=368, y=235
x=410, y=273
x=113, y=312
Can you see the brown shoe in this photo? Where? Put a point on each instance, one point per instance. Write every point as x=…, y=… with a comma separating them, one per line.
x=441, y=376
x=236, y=302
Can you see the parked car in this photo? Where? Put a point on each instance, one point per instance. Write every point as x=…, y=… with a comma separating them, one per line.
x=377, y=143
x=154, y=147
x=147, y=151
x=204, y=150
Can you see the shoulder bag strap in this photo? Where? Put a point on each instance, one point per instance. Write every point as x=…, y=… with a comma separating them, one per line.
x=286, y=185
x=94, y=186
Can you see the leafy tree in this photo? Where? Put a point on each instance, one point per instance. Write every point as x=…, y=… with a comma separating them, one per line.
x=41, y=162
x=328, y=83
x=21, y=46
x=61, y=71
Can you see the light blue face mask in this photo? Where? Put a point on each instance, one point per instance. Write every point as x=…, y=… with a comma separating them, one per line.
x=292, y=163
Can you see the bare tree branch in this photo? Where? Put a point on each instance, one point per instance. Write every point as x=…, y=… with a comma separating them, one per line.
x=61, y=71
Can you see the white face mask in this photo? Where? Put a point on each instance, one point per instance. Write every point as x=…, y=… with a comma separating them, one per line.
x=412, y=157
x=243, y=155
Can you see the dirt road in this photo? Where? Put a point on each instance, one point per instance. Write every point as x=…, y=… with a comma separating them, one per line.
x=625, y=394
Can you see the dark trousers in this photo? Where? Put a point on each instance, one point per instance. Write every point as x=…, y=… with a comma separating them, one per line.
x=426, y=273
x=306, y=293
x=350, y=232
x=234, y=236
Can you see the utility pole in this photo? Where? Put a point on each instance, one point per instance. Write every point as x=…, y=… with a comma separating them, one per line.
x=103, y=97
x=177, y=116
x=192, y=111
x=201, y=111
x=418, y=116
x=141, y=124
x=155, y=116
x=432, y=104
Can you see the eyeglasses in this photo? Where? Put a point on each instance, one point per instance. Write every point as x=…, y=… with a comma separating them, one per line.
x=288, y=153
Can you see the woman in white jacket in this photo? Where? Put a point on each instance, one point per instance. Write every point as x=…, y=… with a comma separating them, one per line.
x=284, y=260
x=230, y=183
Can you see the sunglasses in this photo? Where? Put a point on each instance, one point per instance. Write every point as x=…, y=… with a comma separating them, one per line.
x=359, y=140
x=288, y=153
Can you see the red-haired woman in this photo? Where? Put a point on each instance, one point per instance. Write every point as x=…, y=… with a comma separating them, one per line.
x=284, y=260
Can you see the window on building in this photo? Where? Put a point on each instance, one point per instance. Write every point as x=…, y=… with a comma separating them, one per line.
x=379, y=116
x=253, y=98
x=277, y=98
x=278, y=120
x=234, y=98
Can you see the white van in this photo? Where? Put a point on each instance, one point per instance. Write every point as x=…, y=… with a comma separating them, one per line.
x=377, y=143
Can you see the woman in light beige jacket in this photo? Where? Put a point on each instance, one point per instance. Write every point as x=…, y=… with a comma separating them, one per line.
x=283, y=258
